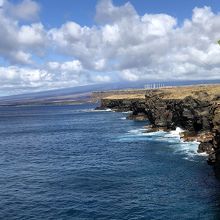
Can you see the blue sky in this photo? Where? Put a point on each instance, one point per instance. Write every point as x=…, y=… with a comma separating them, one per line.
x=49, y=44
x=55, y=13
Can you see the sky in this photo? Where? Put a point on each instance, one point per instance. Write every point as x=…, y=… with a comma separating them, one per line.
x=49, y=44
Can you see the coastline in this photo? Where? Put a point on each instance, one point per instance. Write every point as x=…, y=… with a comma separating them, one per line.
x=194, y=109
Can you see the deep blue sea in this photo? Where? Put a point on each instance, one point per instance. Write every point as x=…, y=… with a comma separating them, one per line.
x=70, y=162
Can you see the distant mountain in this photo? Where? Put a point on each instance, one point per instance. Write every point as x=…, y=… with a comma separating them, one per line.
x=82, y=93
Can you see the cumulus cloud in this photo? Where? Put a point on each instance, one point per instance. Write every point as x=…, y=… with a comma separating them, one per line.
x=152, y=46
x=50, y=76
x=19, y=42
x=121, y=45
x=31, y=35
x=22, y=78
x=74, y=71
x=107, y=13
x=67, y=71
x=25, y=10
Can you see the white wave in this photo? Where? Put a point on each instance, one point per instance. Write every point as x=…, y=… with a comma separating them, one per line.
x=189, y=149
x=139, y=131
x=177, y=131
x=156, y=133
x=123, y=118
x=204, y=154
x=104, y=110
x=128, y=112
x=94, y=110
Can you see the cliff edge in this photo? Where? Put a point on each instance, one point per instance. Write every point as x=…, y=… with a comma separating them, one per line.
x=195, y=109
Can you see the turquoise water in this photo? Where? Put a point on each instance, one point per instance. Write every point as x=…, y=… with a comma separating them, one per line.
x=70, y=162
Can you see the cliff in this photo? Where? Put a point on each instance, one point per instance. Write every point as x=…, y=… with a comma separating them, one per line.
x=194, y=109
x=198, y=115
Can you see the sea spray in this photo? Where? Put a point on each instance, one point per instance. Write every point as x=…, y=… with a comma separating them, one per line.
x=172, y=138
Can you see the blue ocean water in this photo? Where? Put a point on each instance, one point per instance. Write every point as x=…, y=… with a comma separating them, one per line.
x=70, y=162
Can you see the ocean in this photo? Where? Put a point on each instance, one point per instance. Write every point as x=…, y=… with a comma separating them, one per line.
x=71, y=162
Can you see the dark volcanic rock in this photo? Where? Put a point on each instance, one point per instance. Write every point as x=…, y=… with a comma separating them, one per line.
x=137, y=106
x=214, y=158
x=205, y=147
x=198, y=115
x=115, y=104
x=138, y=117
x=188, y=113
x=138, y=110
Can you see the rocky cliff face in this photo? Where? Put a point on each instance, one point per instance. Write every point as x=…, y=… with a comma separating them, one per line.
x=198, y=115
x=214, y=158
x=137, y=106
x=191, y=113
x=116, y=104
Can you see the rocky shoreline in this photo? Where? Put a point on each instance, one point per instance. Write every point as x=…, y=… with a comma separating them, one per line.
x=197, y=114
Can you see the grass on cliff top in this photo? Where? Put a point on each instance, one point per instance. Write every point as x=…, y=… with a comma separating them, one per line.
x=126, y=96
x=184, y=91
x=179, y=92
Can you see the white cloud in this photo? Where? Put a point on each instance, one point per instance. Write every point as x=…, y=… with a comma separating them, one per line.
x=102, y=79
x=25, y=10
x=1, y=3
x=111, y=34
x=130, y=75
x=31, y=35
x=53, y=75
x=122, y=45
x=71, y=66
x=23, y=77
x=127, y=41
x=53, y=65
x=100, y=64
x=157, y=24
x=151, y=46
x=34, y=79
x=18, y=43
x=21, y=57
x=106, y=12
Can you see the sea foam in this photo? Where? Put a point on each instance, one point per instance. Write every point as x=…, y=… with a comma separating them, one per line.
x=172, y=138
x=94, y=110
